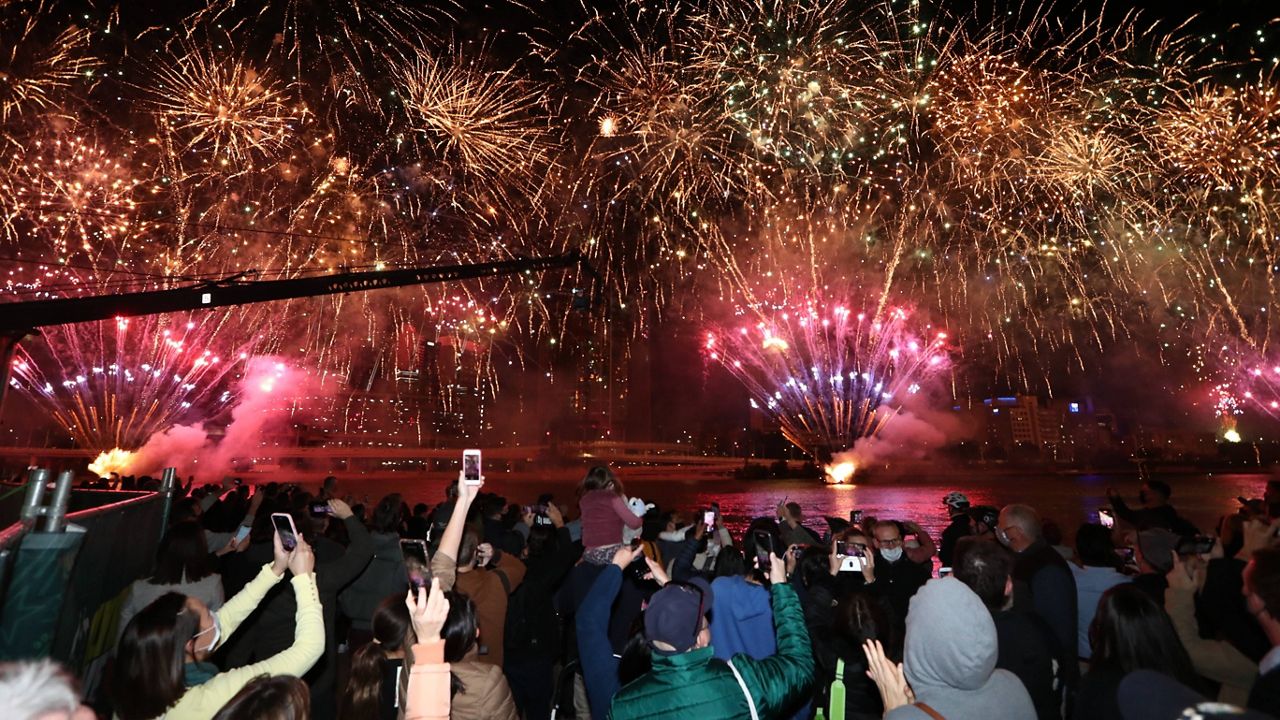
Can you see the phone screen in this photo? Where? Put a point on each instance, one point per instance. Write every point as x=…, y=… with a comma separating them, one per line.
x=320, y=508
x=416, y=549
x=709, y=518
x=855, y=517
x=764, y=550
x=284, y=526
x=842, y=548
x=1106, y=519
x=471, y=465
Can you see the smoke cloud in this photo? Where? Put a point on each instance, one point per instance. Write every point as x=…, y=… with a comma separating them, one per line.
x=910, y=434
x=268, y=391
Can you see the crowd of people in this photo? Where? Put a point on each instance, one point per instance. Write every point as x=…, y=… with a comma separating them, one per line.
x=611, y=607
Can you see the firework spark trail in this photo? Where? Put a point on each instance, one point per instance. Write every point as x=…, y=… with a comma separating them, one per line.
x=828, y=375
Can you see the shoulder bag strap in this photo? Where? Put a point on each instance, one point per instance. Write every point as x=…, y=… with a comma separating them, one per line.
x=924, y=707
x=751, y=704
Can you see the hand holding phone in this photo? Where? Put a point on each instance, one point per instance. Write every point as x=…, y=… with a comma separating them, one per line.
x=1106, y=519
x=471, y=472
x=286, y=530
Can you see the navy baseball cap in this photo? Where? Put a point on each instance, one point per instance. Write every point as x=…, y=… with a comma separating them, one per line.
x=675, y=614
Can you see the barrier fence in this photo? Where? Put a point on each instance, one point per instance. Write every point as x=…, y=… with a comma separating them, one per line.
x=63, y=575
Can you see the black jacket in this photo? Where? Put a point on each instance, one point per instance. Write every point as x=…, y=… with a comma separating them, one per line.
x=960, y=527
x=1163, y=516
x=1265, y=696
x=533, y=626
x=897, y=583
x=1044, y=585
x=1026, y=649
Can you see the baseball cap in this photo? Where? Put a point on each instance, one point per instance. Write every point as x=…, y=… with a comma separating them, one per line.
x=1149, y=695
x=674, y=615
x=956, y=500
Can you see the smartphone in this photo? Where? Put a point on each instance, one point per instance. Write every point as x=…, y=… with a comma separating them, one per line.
x=855, y=517
x=852, y=563
x=321, y=508
x=944, y=571
x=1198, y=545
x=471, y=467
x=242, y=532
x=1126, y=555
x=288, y=532
x=416, y=549
x=764, y=550
x=709, y=519
x=1106, y=519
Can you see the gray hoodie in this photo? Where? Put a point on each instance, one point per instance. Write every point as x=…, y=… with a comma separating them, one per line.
x=950, y=659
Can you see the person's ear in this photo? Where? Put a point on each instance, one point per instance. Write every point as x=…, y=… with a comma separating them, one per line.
x=1008, y=586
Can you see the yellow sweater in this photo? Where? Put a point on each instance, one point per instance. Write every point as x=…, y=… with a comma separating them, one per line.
x=204, y=701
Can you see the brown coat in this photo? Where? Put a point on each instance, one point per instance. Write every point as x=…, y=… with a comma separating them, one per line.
x=489, y=590
x=487, y=695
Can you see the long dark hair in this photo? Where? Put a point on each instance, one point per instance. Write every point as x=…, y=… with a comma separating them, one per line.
x=183, y=555
x=600, y=478
x=459, y=633
x=1130, y=632
x=147, y=677
x=270, y=697
x=388, y=513
x=392, y=631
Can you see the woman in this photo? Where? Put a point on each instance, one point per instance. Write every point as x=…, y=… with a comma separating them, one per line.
x=379, y=674
x=603, y=506
x=282, y=697
x=183, y=566
x=1129, y=632
x=479, y=690
x=386, y=573
x=162, y=667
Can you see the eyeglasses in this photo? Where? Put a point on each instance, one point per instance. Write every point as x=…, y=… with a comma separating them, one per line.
x=889, y=543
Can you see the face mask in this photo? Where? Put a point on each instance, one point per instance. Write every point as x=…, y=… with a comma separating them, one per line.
x=1002, y=536
x=891, y=554
x=217, y=635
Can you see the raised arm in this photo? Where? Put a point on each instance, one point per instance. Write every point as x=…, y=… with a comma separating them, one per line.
x=780, y=681
x=444, y=562
x=340, y=572
x=599, y=665
x=1215, y=659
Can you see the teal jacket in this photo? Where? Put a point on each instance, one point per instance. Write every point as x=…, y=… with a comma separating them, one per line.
x=696, y=685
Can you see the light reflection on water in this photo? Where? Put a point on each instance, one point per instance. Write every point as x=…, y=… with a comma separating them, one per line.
x=1069, y=500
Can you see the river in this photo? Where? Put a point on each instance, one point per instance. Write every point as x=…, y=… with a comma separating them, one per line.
x=1067, y=499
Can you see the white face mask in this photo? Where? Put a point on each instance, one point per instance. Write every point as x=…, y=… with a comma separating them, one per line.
x=891, y=554
x=217, y=635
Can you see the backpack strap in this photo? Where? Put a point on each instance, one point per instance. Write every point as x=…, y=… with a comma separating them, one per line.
x=751, y=703
x=924, y=707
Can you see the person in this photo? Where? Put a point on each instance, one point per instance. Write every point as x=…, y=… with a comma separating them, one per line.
x=419, y=525
x=384, y=574
x=602, y=504
x=377, y=681
x=1025, y=643
x=532, y=634
x=684, y=673
x=856, y=618
x=162, y=668
x=790, y=526
x=895, y=576
x=1097, y=573
x=741, y=613
x=985, y=519
x=269, y=697
x=479, y=689
x=1129, y=632
x=1216, y=660
x=1156, y=512
x=1262, y=598
x=429, y=678
x=460, y=563
x=1153, y=553
x=1149, y=695
x=957, y=506
x=40, y=690
x=1041, y=579
x=270, y=629
x=183, y=565
x=949, y=663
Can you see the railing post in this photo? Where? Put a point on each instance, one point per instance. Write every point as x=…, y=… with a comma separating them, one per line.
x=37, y=478
x=168, y=483
x=55, y=519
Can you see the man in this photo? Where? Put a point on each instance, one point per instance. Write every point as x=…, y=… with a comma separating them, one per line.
x=1042, y=580
x=1025, y=643
x=789, y=528
x=896, y=576
x=1156, y=512
x=686, y=680
x=957, y=506
x=1262, y=598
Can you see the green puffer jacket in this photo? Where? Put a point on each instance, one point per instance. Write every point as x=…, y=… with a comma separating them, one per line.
x=696, y=685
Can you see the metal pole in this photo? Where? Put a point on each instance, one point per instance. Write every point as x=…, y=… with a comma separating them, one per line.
x=55, y=519
x=168, y=481
x=37, y=478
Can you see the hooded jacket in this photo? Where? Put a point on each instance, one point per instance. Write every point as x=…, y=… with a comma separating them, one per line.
x=741, y=619
x=950, y=659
